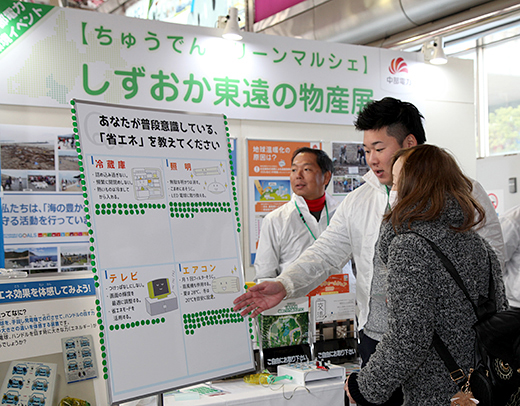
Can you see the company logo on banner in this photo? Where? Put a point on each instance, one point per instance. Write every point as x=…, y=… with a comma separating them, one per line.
x=68, y=53
x=398, y=65
x=400, y=78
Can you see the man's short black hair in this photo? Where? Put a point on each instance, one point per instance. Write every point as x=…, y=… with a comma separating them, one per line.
x=399, y=117
x=322, y=159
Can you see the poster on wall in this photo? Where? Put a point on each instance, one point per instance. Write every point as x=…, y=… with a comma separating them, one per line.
x=350, y=164
x=44, y=223
x=50, y=341
x=162, y=212
x=48, y=55
x=269, y=167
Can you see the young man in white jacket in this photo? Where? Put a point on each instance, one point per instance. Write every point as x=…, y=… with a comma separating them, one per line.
x=388, y=125
x=289, y=230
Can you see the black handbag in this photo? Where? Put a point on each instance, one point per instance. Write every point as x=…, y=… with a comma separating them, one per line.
x=495, y=378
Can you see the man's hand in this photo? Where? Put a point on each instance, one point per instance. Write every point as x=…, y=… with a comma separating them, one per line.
x=259, y=298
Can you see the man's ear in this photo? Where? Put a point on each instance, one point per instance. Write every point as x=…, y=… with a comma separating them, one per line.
x=328, y=176
x=410, y=141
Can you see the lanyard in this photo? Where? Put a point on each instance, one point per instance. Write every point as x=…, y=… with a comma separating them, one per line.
x=305, y=222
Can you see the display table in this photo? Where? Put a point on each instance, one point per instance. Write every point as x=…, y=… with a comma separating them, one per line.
x=328, y=392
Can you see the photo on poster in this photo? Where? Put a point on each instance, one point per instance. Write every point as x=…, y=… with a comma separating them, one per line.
x=14, y=180
x=272, y=190
x=47, y=258
x=34, y=258
x=74, y=255
x=66, y=142
x=70, y=181
x=41, y=181
x=44, y=257
x=16, y=258
x=350, y=165
x=27, y=155
x=68, y=160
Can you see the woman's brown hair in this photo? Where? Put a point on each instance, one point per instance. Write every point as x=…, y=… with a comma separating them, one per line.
x=428, y=176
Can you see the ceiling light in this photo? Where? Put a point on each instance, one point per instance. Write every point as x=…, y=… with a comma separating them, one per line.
x=232, y=31
x=434, y=53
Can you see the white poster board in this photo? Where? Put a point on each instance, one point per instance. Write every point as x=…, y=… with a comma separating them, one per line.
x=162, y=211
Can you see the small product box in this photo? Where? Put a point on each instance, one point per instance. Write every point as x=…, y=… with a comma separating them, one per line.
x=29, y=383
x=305, y=372
x=78, y=358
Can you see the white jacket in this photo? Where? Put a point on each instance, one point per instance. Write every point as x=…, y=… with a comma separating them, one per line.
x=353, y=233
x=510, y=222
x=284, y=236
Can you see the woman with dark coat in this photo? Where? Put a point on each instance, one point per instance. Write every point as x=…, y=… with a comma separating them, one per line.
x=433, y=200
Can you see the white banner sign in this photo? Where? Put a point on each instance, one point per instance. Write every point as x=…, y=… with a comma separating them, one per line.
x=50, y=55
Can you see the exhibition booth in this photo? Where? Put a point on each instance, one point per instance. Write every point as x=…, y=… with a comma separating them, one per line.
x=138, y=160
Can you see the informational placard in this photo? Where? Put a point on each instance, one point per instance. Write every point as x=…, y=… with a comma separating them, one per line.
x=269, y=167
x=37, y=315
x=284, y=333
x=162, y=213
x=333, y=324
x=327, y=308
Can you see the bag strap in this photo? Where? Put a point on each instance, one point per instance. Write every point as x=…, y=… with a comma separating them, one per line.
x=451, y=269
x=456, y=373
x=455, y=275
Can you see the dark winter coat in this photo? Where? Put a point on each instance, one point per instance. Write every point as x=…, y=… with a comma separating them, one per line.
x=423, y=297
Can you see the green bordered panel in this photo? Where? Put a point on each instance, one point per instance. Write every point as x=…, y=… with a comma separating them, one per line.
x=161, y=205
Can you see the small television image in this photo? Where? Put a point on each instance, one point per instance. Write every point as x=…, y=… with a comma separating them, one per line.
x=159, y=288
x=161, y=298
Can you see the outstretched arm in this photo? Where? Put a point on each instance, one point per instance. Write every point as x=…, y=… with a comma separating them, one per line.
x=259, y=298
